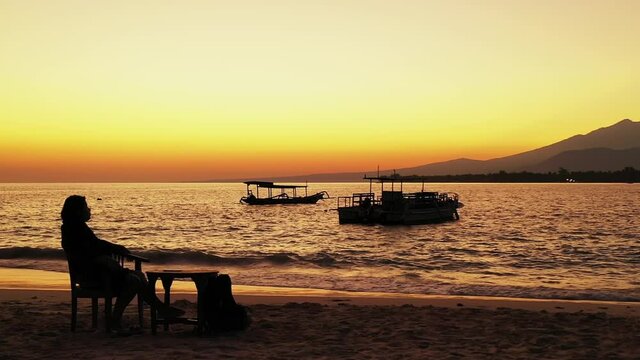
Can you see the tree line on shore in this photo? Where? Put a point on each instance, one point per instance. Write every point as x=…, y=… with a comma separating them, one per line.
x=626, y=175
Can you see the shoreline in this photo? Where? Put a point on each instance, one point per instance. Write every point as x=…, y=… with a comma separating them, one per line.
x=29, y=283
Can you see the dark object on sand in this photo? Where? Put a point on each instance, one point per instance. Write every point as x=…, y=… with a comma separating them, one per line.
x=221, y=311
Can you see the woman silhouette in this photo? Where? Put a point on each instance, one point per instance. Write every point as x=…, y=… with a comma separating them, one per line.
x=91, y=257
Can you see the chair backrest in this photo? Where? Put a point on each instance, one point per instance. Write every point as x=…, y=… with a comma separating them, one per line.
x=78, y=279
x=73, y=273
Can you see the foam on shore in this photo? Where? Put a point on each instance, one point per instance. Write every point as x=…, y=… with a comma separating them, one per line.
x=20, y=284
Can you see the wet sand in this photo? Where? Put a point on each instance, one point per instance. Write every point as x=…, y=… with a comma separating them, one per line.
x=300, y=323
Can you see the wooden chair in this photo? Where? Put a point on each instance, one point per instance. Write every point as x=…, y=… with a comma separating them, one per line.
x=100, y=289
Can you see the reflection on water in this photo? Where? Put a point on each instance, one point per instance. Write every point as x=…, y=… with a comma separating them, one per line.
x=531, y=240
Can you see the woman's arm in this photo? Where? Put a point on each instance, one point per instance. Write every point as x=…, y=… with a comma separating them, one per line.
x=105, y=247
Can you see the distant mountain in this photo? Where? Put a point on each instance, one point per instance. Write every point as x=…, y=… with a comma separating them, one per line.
x=623, y=135
x=591, y=159
x=599, y=150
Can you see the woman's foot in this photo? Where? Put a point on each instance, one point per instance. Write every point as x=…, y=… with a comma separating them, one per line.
x=170, y=312
x=122, y=332
x=118, y=330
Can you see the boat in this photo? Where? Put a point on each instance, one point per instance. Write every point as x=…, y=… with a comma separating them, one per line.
x=281, y=198
x=396, y=207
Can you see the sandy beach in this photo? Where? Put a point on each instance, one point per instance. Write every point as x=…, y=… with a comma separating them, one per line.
x=304, y=323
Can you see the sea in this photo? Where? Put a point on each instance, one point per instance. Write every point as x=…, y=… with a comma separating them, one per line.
x=567, y=241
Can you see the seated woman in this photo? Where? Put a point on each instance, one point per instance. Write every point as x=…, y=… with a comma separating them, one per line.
x=91, y=257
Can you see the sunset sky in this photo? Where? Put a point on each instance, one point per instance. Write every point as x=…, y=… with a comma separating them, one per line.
x=203, y=89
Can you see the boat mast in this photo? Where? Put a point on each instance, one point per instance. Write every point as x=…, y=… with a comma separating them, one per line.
x=370, y=188
x=393, y=181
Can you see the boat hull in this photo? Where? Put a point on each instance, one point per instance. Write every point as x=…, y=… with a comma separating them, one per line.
x=312, y=199
x=376, y=215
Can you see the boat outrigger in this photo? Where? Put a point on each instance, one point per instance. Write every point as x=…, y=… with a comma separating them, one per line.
x=396, y=207
x=282, y=197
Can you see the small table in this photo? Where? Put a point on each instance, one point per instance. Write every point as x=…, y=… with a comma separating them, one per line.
x=199, y=277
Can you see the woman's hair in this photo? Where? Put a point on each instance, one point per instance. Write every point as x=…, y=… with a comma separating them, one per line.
x=74, y=208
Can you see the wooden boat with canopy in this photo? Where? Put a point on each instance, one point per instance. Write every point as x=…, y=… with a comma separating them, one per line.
x=396, y=207
x=282, y=196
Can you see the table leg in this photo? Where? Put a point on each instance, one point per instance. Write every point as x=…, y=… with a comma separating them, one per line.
x=201, y=286
x=138, y=267
x=152, y=285
x=166, y=284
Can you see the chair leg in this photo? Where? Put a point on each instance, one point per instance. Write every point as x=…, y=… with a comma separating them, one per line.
x=94, y=312
x=74, y=311
x=140, y=312
x=107, y=313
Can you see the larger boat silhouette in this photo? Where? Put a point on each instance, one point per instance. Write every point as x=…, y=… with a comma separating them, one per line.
x=396, y=207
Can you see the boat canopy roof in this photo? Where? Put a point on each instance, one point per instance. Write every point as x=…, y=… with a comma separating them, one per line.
x=268, y=184
x=397, y=178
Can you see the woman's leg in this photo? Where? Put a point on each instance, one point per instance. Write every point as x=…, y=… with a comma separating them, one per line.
x=130, y=288
x=135, y=283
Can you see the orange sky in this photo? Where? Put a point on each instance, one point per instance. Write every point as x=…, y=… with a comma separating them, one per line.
x=203, y=89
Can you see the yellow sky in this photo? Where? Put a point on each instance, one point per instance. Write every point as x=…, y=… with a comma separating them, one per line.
x=187, y=90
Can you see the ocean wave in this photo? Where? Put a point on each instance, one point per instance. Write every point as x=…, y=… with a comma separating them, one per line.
x=322, y=259
x=272, y=259
x=30, y=253
x=184, y=256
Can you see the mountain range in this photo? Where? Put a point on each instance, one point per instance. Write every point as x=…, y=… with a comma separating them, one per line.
x=605, y=149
